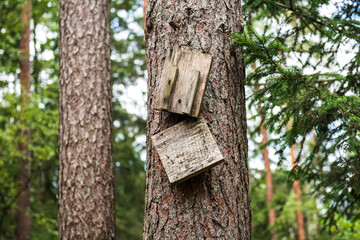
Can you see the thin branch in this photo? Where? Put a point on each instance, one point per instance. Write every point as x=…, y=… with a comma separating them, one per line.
x=267, y=52
x=296, y=11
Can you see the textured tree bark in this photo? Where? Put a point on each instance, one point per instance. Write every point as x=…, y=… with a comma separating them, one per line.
x=22, y=231
x=214, y=204
x=297, y=191
x=86, y=171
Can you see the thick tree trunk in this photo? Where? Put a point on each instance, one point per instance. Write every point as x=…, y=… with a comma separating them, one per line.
x=23, y=212
x=86, y=171
x=297, y=191
x=269, y=181
x=215, y=204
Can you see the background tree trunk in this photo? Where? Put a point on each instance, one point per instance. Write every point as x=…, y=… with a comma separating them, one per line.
x=268, y=175
x=145, y=9
x=297, y=191
x=269, y=180
x=23, y=212
x=215, y=204
x=86, y=171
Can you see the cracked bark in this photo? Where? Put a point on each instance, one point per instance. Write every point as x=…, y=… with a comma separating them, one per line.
x=214, y=204
x=22, y=231
x=86, y=171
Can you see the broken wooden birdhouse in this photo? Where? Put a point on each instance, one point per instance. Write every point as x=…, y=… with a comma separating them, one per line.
x=187, y=149
x=183, y=81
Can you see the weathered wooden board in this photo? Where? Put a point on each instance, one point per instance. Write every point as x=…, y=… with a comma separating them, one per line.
x=188, y=90
x=187, y=149
x=169, y=87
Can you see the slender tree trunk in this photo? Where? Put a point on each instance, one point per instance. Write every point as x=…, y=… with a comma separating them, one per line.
x=145, y=8
x=268, y=175
x=86, y=171
x=215, y=204
x=297, y=191
x=23, y=213
x=269, y=180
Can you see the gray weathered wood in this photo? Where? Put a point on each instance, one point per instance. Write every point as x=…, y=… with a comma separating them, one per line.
x=187, y=149
x=169, y=87
x=186, y=62
x=187, y=100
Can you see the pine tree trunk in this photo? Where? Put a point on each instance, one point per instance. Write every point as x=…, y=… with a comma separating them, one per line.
x=145, y=8
x=214, y=204
x=269, y=181
x=86, y=171
x=268, y=175
x=297, y=191
x=22, y=231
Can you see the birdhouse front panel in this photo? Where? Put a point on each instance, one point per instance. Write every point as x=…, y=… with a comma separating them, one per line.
x=187, y=149
x=183, y=81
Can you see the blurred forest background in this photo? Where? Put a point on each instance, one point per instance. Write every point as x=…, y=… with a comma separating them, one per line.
x=296, y=39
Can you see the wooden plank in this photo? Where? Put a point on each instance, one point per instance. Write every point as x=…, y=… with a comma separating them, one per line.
x=187, y=149
x=186, y=102
x=186, y=62
x=162, y=82
x=169, y=87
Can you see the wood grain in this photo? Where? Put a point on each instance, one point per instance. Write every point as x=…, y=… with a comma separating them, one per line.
x=187, y=149
x=187, y=62
x=190, y=93
x=169, y=87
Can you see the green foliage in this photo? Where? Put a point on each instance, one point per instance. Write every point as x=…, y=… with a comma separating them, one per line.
x=127, y=67
x=130, y=173
x=45, y=17
x=127, y=43
x=41, y=119
x=42, y=122
x=10, y=11
x=346, y=230
x=8, y=163
x=317, y=94
x=286, y=208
